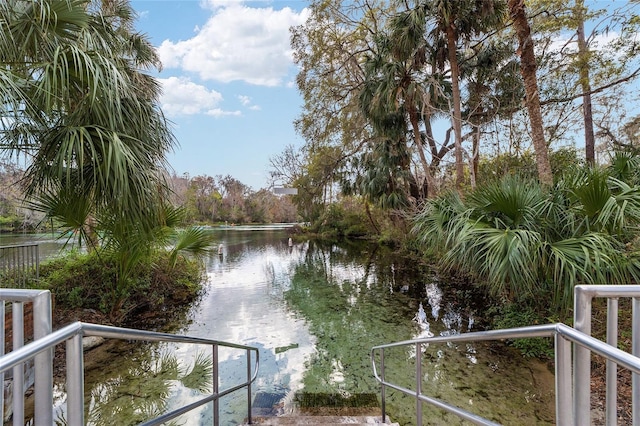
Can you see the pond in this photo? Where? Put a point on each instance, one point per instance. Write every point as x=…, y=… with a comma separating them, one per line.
x=314, y=311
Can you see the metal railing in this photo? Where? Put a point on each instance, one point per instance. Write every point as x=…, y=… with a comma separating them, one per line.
x=572, y=388
x=42, y=348
x=18, y=263
x=43, y=361
x=584, y=295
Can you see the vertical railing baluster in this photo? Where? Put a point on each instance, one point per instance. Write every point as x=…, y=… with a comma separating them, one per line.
x=612, y=367
x=564, y=398
x=582, y=359
x=383, y=390
x=75, y=384
x=418, y=383
x=43, y=362
x=17, y=330
x=635, y=350
x=37, y=254
x=14, y=267
x=25, y=270
x=249, y=386
x=2, y=343
x=216, y=388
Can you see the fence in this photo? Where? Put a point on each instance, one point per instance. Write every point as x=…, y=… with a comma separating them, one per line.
x=19, y=264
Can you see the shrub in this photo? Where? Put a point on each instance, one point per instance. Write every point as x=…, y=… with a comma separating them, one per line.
x=81, y=281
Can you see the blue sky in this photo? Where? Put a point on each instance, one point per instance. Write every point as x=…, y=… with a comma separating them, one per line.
x=228, y=80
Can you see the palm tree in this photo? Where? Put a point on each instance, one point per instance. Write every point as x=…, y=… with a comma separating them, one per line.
x=386, y=165
x=77, y=104
x=528, y=69
x=80, y=110
x=460, y=20
x=397, y=84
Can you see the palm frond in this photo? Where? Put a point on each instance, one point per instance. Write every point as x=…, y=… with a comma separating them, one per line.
x=195, y=241
x=200, y=377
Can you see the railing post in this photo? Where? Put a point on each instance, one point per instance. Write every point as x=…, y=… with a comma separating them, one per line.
x=75, y=382
x=249, y=386
x=17, y=312
x=612, y=367
x=418, y=383
x=383, y=389
x=43, y=362
x=564, y=397
x=635, y=350
x=216, y=388
x=2, y=339
x=582, y=359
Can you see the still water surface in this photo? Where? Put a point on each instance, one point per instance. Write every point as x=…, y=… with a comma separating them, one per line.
x=314, y=311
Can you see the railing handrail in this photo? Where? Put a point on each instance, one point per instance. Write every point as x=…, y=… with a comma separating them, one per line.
x=43, y=360
x=89, y=329
x=73, y=333
x=558, y=330
x=546, y=330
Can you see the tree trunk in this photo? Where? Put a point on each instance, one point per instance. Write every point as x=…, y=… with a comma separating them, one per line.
x=528, y=69
x=583, y=58
x=457, y=113
x=475, y=159
x=431, y=185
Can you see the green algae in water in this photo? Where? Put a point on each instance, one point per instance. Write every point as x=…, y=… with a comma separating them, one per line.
x=349, y=312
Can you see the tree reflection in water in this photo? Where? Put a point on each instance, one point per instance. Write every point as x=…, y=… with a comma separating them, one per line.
x=143, y=391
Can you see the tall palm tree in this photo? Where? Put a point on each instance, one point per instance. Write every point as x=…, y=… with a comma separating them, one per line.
x=528, y=69
x=396, y=84
x=456, y=21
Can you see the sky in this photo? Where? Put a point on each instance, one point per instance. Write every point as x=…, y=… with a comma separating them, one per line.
x=228, y=82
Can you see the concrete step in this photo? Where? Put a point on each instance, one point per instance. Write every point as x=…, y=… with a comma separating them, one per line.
x=320, y=420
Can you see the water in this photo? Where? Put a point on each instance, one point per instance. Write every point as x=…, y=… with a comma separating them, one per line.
x=314, y=311
x=49, y=244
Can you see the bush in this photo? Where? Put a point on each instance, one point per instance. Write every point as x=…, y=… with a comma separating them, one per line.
x=88, y=281
x=520, y=315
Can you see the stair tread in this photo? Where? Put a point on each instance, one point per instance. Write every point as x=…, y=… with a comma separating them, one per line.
x=320, y=420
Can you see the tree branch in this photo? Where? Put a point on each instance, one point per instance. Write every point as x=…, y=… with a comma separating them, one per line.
x=594, y=91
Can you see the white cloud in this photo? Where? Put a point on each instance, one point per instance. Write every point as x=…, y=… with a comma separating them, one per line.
x=217, y=112
x=238, y=43
x=184, y=97
x=247, y=102
x=218, y=4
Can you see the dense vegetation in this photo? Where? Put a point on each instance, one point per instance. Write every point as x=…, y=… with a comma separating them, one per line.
x=204, y=199
x=497, y=140
x=80, y=281
x=78, y=102
x=505, y=136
